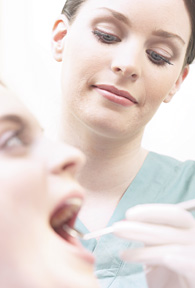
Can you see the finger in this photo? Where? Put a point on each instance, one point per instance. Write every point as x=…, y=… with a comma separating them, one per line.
x=152, y=234
x=163, y=277
x=167, y=214
x=176, y=258
x=188, y=205
x=147, y=255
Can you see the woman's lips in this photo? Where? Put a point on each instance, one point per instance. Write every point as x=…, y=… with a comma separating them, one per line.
x=115, y=95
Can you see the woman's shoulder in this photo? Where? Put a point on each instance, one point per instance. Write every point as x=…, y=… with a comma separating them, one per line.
x=170, y=162
x=178, y=176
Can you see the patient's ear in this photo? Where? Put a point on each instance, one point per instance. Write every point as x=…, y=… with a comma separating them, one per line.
x=59, y=31
x=177, y=84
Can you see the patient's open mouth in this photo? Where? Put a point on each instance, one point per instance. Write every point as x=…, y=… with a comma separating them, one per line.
x=66, y=215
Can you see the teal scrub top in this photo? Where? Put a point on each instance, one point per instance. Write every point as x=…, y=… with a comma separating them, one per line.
x=161, y=179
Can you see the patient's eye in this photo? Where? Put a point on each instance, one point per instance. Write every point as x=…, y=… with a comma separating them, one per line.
x=12, y=140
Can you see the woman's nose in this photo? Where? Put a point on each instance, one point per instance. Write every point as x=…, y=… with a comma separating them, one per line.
x=127, y=62
x=64, y=158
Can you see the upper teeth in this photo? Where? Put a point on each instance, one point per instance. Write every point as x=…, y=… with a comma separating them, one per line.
x=74, y=201
x=66, y=212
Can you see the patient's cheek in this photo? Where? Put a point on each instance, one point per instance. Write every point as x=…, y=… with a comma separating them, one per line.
x=23, y=184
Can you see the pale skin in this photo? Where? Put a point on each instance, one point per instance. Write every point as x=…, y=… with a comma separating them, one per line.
x=109, y=133
x=37, y=180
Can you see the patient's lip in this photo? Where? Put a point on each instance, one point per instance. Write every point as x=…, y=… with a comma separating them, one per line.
x=67, y=212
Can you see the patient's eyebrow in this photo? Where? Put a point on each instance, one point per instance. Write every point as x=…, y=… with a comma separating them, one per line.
x=13, y=118
x=21, y=121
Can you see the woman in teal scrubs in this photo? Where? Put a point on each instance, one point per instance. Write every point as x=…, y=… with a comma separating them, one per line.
x=120, y=61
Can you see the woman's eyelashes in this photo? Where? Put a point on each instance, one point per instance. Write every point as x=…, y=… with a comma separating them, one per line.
x=157, y=59
x=105, y=37
x=108, y=38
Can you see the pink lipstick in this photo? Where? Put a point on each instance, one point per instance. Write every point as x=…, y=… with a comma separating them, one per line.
x=115, y=95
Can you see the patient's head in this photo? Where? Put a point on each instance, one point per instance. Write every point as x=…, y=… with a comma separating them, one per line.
x=38, y=194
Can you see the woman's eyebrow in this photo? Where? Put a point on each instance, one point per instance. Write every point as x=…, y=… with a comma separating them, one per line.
x=117, y=15
x=161, y=33
x=166, y=34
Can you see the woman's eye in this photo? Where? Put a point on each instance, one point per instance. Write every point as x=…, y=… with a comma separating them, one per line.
x=157, y=58
x=106, y=37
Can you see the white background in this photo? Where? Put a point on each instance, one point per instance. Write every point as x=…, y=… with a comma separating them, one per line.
x=26, y=64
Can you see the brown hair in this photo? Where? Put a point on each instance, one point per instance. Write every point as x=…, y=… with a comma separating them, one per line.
x=71, y=8
x=190, y=53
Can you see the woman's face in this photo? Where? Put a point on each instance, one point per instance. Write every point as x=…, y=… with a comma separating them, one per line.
x=121, y=59
x=38, y=194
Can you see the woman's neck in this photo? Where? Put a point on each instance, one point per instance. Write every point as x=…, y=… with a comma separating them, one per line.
x=111, y=166
x=116, y=161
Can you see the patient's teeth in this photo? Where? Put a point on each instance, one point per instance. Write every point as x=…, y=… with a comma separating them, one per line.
x=72, y=231
x=74, y=201
x=66, y=212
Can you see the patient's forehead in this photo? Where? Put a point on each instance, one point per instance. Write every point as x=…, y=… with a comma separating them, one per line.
x=9, y=101
x=11, y=104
